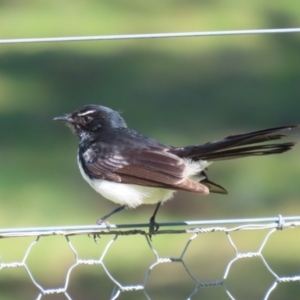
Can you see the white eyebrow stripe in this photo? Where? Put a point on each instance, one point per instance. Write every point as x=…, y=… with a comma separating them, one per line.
x=86, y=113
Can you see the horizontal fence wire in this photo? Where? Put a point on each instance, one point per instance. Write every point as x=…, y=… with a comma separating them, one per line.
x=270, y=222
x=270, y=225
x=148, y=36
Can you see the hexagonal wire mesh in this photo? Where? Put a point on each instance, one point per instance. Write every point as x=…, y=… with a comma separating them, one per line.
x=268, y=225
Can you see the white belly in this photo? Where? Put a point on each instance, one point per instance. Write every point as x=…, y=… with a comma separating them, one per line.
x=130, y=194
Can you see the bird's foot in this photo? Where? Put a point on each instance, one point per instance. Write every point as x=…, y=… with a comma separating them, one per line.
x=100, y=222
x=153, y=228
x=103, y=222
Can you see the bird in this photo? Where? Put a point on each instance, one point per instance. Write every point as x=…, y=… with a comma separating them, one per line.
x=131, y=169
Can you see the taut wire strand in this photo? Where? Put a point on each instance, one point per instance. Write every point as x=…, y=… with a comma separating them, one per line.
x=147, y=36
x=244, y=224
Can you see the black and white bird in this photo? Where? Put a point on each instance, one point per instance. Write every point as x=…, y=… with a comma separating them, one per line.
x=131, y=169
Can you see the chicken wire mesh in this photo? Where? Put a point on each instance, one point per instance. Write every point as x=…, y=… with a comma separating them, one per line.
x=137, y=234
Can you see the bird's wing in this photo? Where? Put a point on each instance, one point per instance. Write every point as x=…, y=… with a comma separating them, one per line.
x=151, y=166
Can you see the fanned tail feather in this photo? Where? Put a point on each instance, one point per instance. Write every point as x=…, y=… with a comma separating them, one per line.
x=233, y=146
x=236, y=146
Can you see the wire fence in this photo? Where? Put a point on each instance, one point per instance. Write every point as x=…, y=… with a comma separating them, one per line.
x=191, y=230
x=191, y=233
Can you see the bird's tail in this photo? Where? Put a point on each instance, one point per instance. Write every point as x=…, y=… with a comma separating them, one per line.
x=237, y=146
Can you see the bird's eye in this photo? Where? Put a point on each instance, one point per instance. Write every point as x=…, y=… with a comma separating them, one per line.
x=86, y=119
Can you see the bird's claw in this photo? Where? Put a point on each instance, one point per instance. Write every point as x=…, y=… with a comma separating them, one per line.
x=153, y=228
x=100, y=222
x=103, y=222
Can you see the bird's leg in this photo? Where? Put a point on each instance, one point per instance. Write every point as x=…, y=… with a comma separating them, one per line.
x=153, y=225
x=102, y=220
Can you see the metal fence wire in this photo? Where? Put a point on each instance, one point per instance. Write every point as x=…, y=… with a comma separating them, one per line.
x=191, y=232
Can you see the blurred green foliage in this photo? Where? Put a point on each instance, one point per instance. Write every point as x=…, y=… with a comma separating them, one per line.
x=180, y=91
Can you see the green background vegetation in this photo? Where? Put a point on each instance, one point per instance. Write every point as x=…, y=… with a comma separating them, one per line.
x=180, y=91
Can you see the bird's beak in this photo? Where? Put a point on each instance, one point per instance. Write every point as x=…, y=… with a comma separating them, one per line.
x=66, y=118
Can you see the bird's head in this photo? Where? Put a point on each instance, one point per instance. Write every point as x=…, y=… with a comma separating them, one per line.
x=91, y=119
